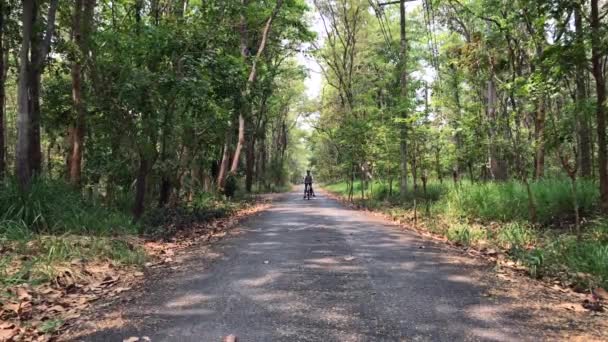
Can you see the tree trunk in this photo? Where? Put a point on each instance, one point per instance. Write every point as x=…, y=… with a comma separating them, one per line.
x=539, y=137
x=600, y=87
x=76, y=130
x=221, y=177
x=165, y=191
x=497, y=166
x=249, y=170
x=404, y=97
x=584, y=131
x=438, y=165
x=140, y=187
x=239, y=144
x=32, y=53
x=81, y=29
x=22, y=160
x=3, y=69
x=35, y=151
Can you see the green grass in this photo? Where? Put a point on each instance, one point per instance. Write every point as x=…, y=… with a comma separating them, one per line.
x=40, y=257
x=53, y=207
x=489, y=201
x=515, y=235
x=52, y=225
x=497, y=214
x=464, y=235
x=508, y=201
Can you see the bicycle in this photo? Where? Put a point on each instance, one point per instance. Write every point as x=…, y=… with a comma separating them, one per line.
x=307, y=191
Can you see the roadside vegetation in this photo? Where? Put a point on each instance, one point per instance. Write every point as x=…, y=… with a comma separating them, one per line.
x=477, y=120
x=495, y=217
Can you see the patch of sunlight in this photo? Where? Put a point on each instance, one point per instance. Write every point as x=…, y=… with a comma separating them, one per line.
x=188, y=300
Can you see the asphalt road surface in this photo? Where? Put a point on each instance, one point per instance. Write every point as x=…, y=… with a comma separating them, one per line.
x=316, y=271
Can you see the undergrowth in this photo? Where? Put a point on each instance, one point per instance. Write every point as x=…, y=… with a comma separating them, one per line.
x=53, y=207
x=496, y=215
x=53, y=224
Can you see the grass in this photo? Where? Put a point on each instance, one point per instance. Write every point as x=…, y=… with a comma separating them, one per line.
x=508, y=201
x=496, y=215
x=53, y=207
x=465, y=235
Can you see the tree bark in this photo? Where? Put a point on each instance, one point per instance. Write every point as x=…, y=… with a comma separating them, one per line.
x=22, y=160
x=600, y=88
x=221, y=177
x=250, y=164
x=497, y=166
x=32, y=53
x=252, y=76
x=584, y=131
x=3, y=70
x=140, y=187
x=404, y=97
x=539, y=137
x=76, y=132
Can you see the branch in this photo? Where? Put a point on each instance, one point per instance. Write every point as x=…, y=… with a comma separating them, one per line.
x=266, y=32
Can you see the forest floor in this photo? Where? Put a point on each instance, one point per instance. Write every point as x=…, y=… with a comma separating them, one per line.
x=49, y=283
x=317, y=270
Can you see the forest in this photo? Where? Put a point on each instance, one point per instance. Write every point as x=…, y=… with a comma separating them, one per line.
x=141, y=104
x=480, y=122
x=120, y=119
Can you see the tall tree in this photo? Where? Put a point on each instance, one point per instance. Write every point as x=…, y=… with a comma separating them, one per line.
x=598, y=45
x=34, y=50
x=404, y=94
x=3, y=73
x=82, y=21
x=245, y=106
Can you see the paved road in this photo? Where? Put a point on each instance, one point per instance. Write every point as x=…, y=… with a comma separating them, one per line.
x=316, y=271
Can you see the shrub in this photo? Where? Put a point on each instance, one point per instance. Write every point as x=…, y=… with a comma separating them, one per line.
x=231, y=185
x=464, y=235
x=53, y=207
x=515, y=235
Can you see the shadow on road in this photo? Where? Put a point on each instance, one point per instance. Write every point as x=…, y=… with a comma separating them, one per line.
x=315, y=271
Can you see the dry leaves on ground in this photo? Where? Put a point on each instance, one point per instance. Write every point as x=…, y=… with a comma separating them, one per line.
x=82, y=283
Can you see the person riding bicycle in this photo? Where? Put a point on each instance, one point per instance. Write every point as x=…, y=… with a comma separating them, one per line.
x=308, y=184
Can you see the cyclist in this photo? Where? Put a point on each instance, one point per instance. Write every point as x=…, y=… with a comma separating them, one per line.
x=308, y=184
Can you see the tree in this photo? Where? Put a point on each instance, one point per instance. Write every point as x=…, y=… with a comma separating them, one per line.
x=597, y=56
x=81, y=30
x=34, y=49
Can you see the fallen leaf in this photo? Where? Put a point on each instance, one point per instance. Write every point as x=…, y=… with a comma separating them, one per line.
x=12, y=307
x=23, y=294
x=119, y=290
x=593, y=305
x=56, y=308
x=8, y=334
x=600, y=293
